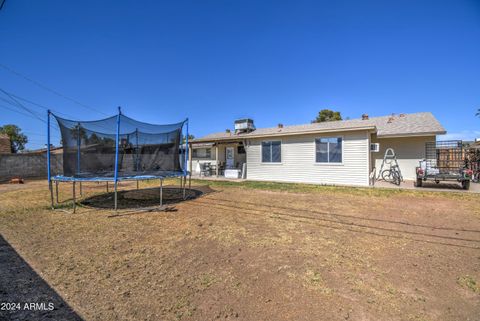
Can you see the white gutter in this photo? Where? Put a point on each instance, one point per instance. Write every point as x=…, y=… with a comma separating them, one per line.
x=412, y=134
x=306, y=132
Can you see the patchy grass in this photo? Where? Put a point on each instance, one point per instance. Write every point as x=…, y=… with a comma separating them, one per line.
x=207, y=280
x=252, y=251
x=347, y=190
x=469, y=282
x=313, y=279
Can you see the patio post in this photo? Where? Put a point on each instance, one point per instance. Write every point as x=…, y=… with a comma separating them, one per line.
x=216, y=160
x=190, y=167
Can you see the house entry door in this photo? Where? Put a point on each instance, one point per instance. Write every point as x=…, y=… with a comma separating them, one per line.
x=230, y=157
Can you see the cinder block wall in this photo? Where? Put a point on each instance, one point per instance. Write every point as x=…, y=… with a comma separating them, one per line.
x=28, y=165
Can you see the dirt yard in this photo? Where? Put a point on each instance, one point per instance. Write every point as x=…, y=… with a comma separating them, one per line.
x=242, y=252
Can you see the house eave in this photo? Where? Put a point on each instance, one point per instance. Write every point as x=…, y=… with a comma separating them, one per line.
x=280, y=134
x=422, y=134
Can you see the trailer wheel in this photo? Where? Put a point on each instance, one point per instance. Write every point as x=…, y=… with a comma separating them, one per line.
x=466, y=185
x=418, y=182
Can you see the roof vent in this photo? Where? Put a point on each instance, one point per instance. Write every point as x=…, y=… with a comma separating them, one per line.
x=244, y=125
x=365, y=117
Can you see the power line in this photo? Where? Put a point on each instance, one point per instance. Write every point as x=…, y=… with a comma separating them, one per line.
x=40, y=134
x=56, y=112
x=50, y=89
x=16, y=111
x=11, y=95
x=41, y=106
x=20, y=105
x=27, y=115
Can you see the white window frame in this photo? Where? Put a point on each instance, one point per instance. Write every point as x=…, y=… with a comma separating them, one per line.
x=281, y=152
x=202, y=158
x=328, y=163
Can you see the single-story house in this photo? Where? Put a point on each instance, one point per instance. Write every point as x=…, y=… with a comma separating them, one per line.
x=337, y=152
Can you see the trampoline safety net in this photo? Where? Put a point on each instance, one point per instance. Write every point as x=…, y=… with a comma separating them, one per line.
x=89, y=148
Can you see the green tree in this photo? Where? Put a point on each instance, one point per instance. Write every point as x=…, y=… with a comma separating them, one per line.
x=77, y=129
x=327, y=115
x=190, y=137
x=17, y=139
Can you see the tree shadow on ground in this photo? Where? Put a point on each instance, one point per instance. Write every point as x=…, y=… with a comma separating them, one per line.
x=146, y=197
x=32, y=296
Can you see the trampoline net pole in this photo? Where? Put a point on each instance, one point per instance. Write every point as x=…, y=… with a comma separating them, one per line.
x=78, y=149
x=185, y=162
x=137, y=159
x=116, y=155
x=49, y=174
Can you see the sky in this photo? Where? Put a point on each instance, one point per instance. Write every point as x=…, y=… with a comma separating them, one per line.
x=217, y=61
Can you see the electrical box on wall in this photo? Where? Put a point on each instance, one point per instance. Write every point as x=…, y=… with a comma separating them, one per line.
x=375, y=147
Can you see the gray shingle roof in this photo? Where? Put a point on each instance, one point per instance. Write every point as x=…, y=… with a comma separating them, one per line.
x=397, y=125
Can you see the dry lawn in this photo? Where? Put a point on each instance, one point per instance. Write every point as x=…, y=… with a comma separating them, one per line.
x=243, y=251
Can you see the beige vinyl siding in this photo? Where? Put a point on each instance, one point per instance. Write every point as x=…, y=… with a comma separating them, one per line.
x=298, y=161
x=409, y=151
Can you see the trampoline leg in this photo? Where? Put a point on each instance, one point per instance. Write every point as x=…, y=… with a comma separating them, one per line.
x=50, y=187
x=56, y=190
x=107, y=187
x=115, y=198
x=190, y=181
x=184, y=179
x=137, y=184
x=161, y=192
x=74, y=201
x=81, y=191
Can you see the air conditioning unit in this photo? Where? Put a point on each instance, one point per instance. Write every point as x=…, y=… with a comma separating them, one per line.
x=375, y=147
x=244, y=125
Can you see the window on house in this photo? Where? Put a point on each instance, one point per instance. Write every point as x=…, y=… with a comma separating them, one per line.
x=204, y=153
x=328, y=150
x=271, y=152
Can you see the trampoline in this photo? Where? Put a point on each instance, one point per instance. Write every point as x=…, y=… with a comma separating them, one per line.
x=119, y=148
